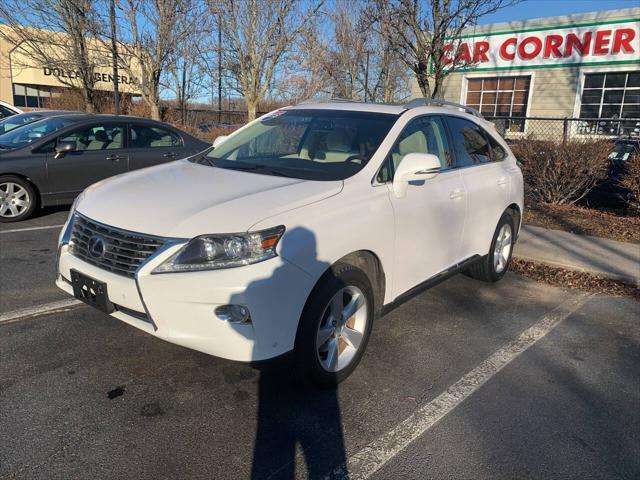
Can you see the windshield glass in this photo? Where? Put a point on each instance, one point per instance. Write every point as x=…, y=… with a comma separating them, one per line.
x=26, y=134
x=307, y=144
x=623, y=150
x=15, y=121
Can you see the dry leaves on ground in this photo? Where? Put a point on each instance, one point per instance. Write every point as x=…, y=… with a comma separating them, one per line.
x=564, y=278
x=584, y=221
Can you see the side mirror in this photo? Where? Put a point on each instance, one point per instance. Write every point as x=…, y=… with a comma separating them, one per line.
x=63, y=148
x=219, y=140
x=414, y=166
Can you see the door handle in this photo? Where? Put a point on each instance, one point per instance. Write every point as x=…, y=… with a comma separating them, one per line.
x=114, y=158
x=457, y=193
x=502, y=181
x=170, y=154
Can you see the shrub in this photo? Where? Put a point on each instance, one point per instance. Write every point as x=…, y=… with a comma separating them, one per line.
x=630, y=181
x=559, y=173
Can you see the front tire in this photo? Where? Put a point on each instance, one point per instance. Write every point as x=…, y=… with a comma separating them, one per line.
x=495, y=264
x=17, y=199
x=334, y=327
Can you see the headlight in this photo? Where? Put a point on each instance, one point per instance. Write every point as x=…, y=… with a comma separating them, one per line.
x=65, y=233
x=213, y=252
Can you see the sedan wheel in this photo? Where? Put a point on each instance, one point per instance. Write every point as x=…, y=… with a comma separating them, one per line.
x=341, y=329
x=15, y=200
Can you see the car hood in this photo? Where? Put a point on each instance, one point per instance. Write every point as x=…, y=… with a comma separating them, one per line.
x=182, y=199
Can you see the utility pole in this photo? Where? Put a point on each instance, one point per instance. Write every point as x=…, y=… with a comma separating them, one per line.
x=114, y=56
x=366, y=78
x=219, y=68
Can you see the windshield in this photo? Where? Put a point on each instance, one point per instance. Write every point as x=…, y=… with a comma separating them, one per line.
x=26, y=134
x=623, y=150
x=15, y=121
x=307, y=144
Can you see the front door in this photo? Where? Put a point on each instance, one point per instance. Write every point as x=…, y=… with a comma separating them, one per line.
x=99, y=153
x=430, y=218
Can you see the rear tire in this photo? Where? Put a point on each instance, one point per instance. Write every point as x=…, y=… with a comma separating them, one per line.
x=334, y=327
x=17, y=199
x=495, y=264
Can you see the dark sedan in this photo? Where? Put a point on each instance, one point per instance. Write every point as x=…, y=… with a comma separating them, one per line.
x=49, y=162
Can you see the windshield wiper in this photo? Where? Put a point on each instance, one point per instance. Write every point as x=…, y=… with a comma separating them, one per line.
x=259, y=168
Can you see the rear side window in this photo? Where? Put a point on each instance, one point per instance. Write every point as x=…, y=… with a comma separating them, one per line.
x=469, y=142
x=144, y=136
x=498, y=153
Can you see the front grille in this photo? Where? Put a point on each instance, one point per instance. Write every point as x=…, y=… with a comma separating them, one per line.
x=119, y=251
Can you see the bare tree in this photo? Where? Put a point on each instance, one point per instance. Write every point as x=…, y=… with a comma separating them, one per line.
x=354, y=60
x=257, y=35
x=60, y=36
x=424, y=32
x=185, y=75
x=153, y=31
x=390, y=79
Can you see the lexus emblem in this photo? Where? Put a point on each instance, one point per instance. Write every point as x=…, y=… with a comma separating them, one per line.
x=97, y=246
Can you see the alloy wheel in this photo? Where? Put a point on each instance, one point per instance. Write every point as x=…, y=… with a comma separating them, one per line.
x=341, y=329
x=502, y=248
x=14, y=199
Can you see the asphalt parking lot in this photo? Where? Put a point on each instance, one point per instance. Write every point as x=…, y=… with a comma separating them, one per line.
x=464, y=381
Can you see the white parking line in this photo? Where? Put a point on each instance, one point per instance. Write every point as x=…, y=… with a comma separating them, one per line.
x=29, y=229
x=42, y=309
x=371, y=458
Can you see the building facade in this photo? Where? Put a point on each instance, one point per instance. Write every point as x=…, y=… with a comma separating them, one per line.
x=583, y=66
x=26, y=83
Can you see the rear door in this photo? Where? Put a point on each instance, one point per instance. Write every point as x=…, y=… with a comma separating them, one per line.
x=99, y=153
x=486, y=182
x=150, y=144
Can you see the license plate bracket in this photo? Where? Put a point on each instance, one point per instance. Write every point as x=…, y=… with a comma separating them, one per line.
x=90, y=291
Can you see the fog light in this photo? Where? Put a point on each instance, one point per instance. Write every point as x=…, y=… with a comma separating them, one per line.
x=233, y=313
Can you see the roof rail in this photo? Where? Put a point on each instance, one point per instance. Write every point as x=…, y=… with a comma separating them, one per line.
x=423, y=102
x=329, y=100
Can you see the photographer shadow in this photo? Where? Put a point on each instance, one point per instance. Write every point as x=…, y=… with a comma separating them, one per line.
x=296, y=427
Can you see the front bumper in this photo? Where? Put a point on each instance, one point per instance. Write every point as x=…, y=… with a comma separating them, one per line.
x=179, y=307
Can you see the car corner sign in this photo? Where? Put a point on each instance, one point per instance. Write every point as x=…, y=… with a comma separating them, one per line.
x=575, y=45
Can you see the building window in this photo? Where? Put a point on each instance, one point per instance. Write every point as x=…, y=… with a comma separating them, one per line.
x=33, y=96
x=611, y=95
x=500, y=97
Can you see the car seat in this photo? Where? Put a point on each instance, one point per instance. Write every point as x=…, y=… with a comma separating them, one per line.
x=415, y=142
x=116, y=141
x=99, y=142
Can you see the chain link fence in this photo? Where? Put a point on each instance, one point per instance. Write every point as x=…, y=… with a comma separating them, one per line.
x=564, y=129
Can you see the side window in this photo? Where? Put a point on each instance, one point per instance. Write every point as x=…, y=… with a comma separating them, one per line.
x=469, y=142
x=144, y=136
x=95, y=137
x=498, y=153
x=48, y=147
x=422, y=135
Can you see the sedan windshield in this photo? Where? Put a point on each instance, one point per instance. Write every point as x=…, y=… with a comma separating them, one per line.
x=27, y=134
x=15, y=121
x=307, y=144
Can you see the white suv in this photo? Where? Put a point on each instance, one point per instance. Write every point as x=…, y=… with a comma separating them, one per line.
x=296, y=231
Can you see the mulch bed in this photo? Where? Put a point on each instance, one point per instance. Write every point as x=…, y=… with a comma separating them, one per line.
x=564, y=278
x=584, y=221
